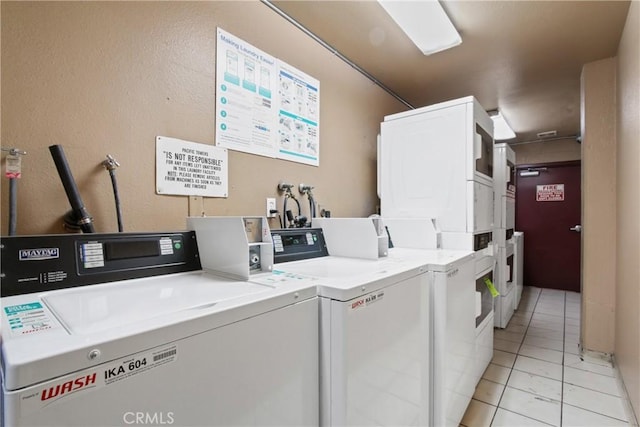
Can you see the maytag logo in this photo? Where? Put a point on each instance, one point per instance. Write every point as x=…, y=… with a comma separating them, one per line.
x=38, y=254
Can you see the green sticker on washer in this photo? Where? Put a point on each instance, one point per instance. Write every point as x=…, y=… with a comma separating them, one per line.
x=492, y=288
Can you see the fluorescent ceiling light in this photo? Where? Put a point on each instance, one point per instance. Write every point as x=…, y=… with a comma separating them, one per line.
x=501, y=129
x=425, y=22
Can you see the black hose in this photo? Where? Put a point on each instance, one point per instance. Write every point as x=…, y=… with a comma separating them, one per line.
x=297, y=203
x=71, y=189
x=284, y=211
x=116, y=196
x=312, y=205
x=290, y=218
x=13, y=205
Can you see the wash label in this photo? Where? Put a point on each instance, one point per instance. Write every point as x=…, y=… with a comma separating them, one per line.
x=62, y=390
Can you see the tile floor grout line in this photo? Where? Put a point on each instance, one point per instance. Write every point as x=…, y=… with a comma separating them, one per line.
x=514, y=361
x=593, y=389
x=523, y=416
x=599, y=413
x=538, y=301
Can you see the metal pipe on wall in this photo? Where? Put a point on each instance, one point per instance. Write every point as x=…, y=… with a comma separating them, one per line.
x=336, y=52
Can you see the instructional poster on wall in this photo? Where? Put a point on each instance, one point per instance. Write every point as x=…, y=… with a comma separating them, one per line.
x=263, y=105
x=190, y=169
x=245, y=108
x=298, y=116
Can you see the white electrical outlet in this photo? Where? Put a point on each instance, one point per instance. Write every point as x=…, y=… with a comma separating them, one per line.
x=271, y=206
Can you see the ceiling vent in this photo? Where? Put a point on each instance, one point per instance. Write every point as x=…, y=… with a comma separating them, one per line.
x=547, y=134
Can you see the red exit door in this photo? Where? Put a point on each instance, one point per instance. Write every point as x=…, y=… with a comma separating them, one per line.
x=548, y=203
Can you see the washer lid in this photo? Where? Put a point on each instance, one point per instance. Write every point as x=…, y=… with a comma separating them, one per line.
x=343, y=279
x=92, y=309
x=439, y=260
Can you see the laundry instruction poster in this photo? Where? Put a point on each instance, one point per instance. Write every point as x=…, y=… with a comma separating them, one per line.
x=265, y=106
x=246, y=113
x=298, y=116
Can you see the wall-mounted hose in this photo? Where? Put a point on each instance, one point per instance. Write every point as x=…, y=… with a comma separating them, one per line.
x=312, y=205
x=111, y=164
x=13, y=206
x=79, y=212
x=306, y=189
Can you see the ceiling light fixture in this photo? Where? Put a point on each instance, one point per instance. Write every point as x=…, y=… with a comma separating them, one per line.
x=425, y=22
x=501, y=129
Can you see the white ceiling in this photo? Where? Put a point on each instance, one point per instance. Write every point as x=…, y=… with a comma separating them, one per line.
x=523, y=57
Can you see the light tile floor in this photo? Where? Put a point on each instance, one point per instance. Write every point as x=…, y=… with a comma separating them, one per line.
x=536, y=377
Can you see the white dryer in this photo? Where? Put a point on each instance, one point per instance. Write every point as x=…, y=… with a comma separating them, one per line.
x=518, y=266
x=384, y=359
x=119, y=329
x=505, y=284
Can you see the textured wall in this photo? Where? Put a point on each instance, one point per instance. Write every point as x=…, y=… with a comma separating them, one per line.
x=627, y=319
x=598, y=129
x=561, y=150
x=108, y=77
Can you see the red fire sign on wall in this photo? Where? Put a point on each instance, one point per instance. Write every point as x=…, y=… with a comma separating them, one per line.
x=550, y=193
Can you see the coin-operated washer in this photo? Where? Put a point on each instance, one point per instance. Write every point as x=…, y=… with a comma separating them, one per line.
x=374, y=328
x=377, y=346
x=457, y=351
x=112, y=329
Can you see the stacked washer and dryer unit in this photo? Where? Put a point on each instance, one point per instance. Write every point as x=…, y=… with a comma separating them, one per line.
x=436, y=163
x=503, y=235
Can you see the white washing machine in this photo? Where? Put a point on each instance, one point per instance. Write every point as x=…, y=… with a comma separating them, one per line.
x=462, y=314
x=391, y=353
x=505, y=284
x=121, y=329
x=518, y=265
x=484, y=315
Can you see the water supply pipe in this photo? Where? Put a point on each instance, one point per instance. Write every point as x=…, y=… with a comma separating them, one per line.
x=79, y=211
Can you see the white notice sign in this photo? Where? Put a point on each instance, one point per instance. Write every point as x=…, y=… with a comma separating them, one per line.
x=550, y=193
x=190, y=169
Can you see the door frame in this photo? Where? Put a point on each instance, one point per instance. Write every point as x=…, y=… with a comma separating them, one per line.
x=560, y=164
